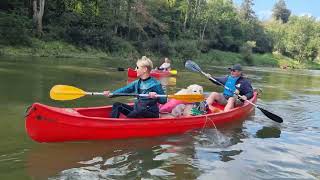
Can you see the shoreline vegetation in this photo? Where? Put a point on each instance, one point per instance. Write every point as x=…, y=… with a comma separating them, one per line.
x=217, y=32
x=58, y=49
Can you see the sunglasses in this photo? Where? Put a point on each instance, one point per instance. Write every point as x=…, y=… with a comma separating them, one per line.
x=233, y=70
x=137, y=67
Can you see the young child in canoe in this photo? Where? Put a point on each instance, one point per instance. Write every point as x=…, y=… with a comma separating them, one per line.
x=166, y=66
x=144, y=107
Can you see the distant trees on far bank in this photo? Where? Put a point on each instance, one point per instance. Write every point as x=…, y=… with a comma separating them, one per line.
x=182, y=28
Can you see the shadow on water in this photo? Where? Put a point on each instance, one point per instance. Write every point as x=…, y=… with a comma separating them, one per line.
x=268, y=132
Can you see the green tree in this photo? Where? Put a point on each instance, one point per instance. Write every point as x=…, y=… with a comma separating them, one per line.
x=246, y=51
x=280, y=11
x=38, y=10
x=277, y=32
x=246, y=11
x=14, y=29
x=218, y=26
x=301, y=33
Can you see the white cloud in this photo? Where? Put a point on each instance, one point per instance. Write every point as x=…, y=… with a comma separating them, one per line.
x=264, y=14
x=305, y=14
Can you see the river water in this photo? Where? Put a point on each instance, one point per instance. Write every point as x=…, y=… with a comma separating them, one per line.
x=254, y=148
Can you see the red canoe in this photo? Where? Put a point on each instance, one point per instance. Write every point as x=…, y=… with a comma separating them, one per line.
x=154, y=73
x=52, y=124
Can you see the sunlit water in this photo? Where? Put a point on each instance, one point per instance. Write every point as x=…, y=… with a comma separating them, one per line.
x=253, y=148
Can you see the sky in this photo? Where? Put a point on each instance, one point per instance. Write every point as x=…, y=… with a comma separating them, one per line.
x=263, y=8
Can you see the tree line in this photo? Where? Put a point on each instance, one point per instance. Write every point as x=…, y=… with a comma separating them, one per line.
x=182, y=28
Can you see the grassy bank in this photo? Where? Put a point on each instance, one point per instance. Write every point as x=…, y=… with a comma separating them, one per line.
x=215, y=57
x=52, y=49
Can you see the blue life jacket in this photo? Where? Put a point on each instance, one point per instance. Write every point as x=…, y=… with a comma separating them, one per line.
x=231, y=85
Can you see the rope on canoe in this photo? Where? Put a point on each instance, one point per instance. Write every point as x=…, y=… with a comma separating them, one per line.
x=207, y=118
x=29, y=110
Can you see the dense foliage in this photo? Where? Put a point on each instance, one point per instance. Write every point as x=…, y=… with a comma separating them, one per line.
x=280, y=11
x=181, y=28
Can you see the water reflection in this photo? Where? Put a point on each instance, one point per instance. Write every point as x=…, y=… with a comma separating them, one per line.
x=268, y=132
x=214, y=145
x=123, y=159
x=226, y=156
x=249, y=149
x=162, y=157
x=47, y=160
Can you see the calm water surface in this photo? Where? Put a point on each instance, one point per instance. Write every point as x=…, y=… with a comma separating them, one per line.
x=254, y=148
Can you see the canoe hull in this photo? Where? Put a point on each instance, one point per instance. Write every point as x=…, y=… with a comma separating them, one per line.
x=154, y=73
x=51, y=124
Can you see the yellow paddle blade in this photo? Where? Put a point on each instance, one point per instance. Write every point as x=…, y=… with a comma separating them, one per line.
x=65, y=92
x=173, y=72
x=172, y=81
x=188, y=97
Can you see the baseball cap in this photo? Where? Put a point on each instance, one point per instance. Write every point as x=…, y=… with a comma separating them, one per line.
x=236, y=67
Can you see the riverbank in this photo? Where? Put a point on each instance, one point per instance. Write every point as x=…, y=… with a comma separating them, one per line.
x=217, y=57
x=60, y=49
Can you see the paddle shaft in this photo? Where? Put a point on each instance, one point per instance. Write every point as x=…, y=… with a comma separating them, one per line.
x=123, y=94
x=186, y=97
x=94, y=93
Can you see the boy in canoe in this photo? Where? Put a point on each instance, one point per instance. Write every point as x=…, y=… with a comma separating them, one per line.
x=237, y=84
x=144, y=107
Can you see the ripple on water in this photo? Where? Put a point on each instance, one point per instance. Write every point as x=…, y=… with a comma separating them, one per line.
x=160, y=172
x=92, y=161
x=117, y=159
x=262, y=159
x=96, y=172
x=13, y=157
x=258, y=148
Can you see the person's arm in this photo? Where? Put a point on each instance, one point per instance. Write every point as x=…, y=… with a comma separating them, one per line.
x=126, y=89
x=246, y=90
x=158, y=89
x=249, y=94
x=222, y=80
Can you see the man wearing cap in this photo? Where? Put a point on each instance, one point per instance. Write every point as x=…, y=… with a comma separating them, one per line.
x=235, y=83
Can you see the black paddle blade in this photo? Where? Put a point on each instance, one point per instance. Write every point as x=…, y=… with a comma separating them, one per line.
x=271, y=115
x=120, y=69
x=192, y=66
